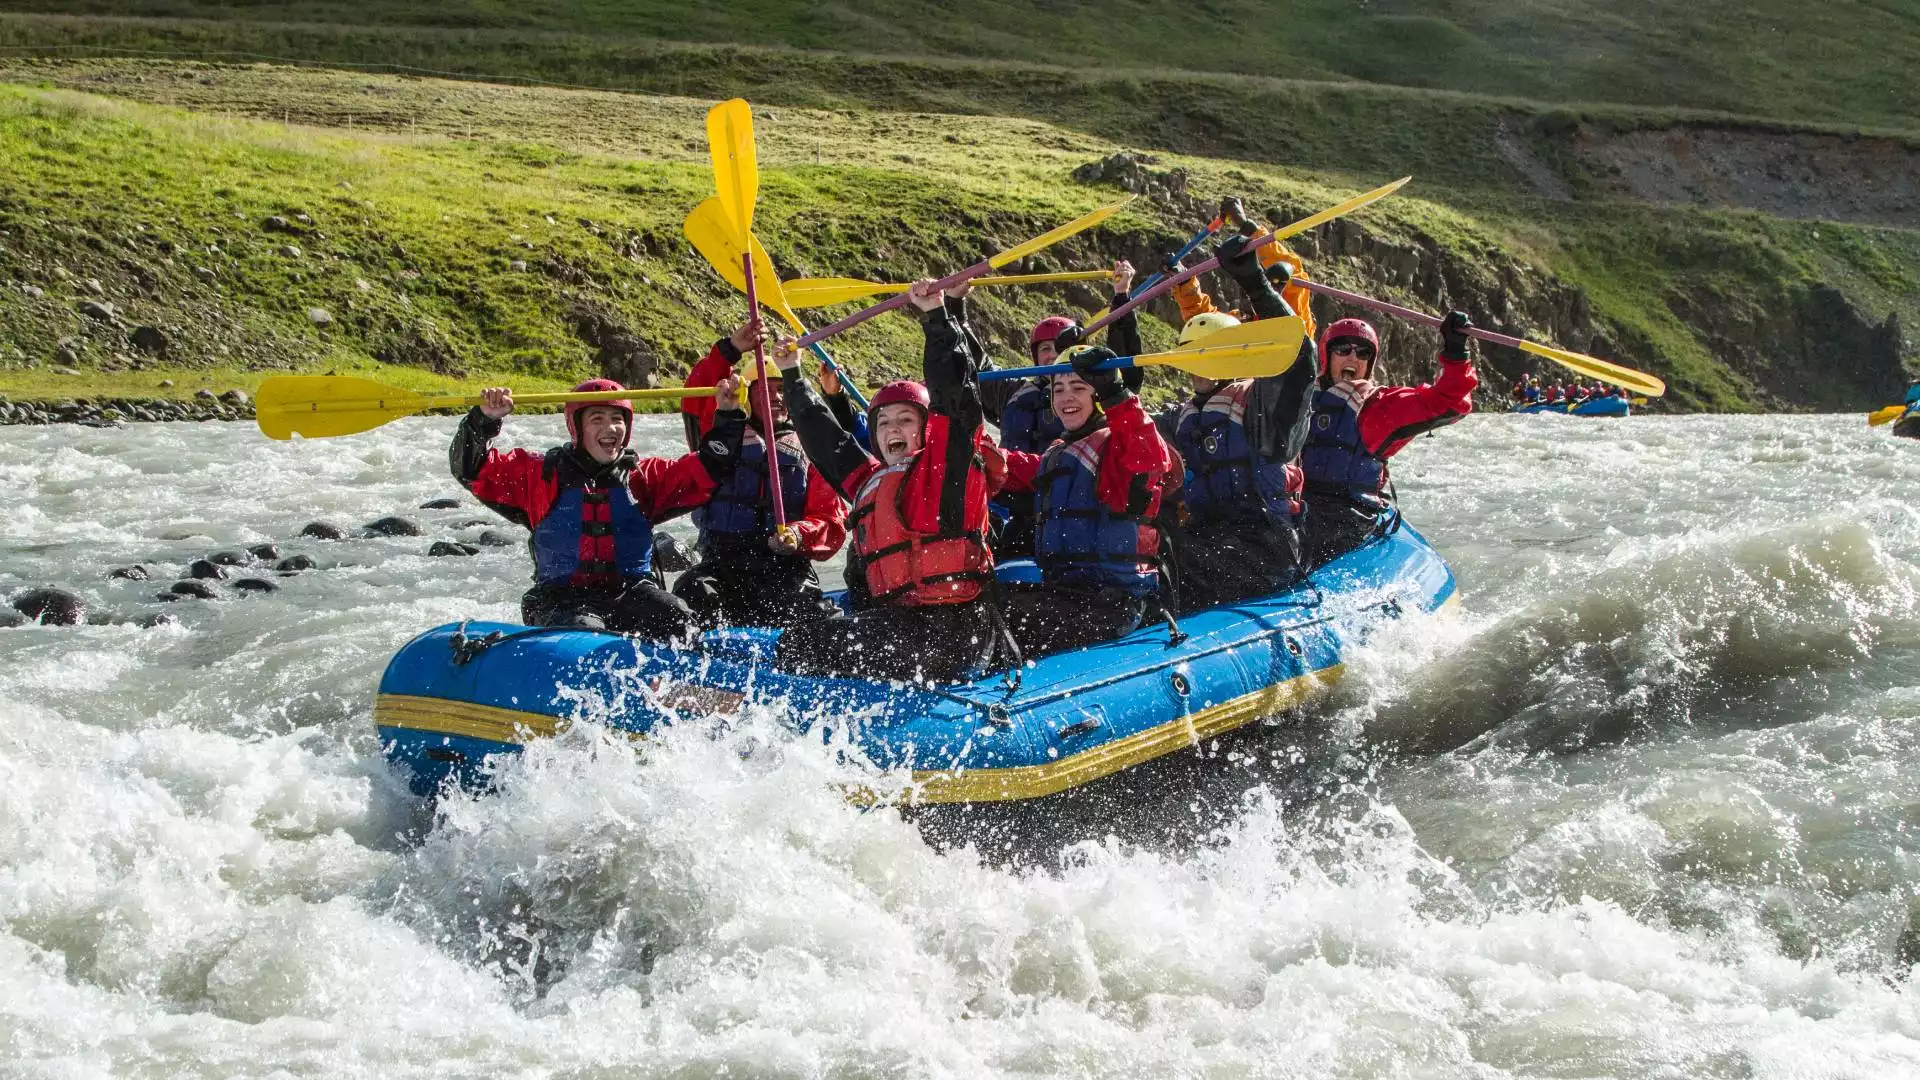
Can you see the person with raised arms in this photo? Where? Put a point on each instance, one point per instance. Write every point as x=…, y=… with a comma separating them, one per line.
x=920, y=563
x=752, y=572
x=1097, y=495
x=591, y=505
x=1358, y=424
x=1022, y=408
x=1240, y=443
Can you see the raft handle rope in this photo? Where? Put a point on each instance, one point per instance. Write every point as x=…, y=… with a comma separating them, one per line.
x=466, y=648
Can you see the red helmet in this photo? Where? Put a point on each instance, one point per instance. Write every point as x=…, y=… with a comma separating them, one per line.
x=1357, y=329
x=575, y=408
x=1046, y=330
x=900, y=392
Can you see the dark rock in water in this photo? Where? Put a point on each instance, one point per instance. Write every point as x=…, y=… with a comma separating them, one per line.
x=475, y=523
x=227, y=558
x=194, y=589
x=393, y=526
x=294, y=564
x=206, y=570
x=159, y=618
x=264, y=552
x=494, y=539
x=320, y=530
x=54, y=607
x=254, y=584
x=441, y=504
x=11, y=619
x=128, y=573
x=443, y=548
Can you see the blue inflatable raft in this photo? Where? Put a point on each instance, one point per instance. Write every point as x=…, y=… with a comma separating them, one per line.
x=457, y=695
x=1606, y=406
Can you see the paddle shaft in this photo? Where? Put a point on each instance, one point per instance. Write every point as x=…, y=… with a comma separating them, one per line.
x=765, y=389
x=406, y=404
x=1141, y=296
x=893, y=302
x=1050, y=369
x=1198, y=239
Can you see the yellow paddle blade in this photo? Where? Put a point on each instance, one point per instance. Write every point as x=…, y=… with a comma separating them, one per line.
x=711, y=234
x=1248, y=351
x=326, y=406
x=1051, y=237
x=1592, y=367
x=1886, y=416
x=736, y=171
x=1314, y=221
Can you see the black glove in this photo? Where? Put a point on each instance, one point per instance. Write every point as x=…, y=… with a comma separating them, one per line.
x=1171, y=265
x=1107, y=384
x=1453, y=336
x=1232, y=211
x=1240, y=263
x=1068, y=338
x=1280, y=274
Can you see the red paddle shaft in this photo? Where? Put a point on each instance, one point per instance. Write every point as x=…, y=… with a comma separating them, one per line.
x=763, y=387
x=895, y=301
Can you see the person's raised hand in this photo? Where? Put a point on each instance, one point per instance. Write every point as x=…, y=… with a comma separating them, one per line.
x=1122, y=277
x=786, y=354
x=960, y=291
x=830, y=381
x=1453, y=335
x=784, y=541
x=922, y=295
x=749, y=335
x=1232, y=211
x=726, y=394
x=496, y=402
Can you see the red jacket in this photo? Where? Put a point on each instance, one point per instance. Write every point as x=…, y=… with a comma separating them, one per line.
x=1395, y=415
x=520, y=481
x=716, y=365
x=1134, y=449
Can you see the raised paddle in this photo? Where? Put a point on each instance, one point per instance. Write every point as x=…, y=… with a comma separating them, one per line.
x=820, y=292
x=1592, y=367
x=1250, y=350
x=1885, y=416
x=992, y=262
x=1141, y=296
x=1153, y=279
x=736, y=177
x=326, y=406
x=710, y=232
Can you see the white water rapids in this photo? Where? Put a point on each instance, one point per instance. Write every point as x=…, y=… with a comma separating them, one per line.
x=1645, y=809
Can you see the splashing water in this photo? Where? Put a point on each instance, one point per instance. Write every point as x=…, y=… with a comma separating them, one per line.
x=1642, y=810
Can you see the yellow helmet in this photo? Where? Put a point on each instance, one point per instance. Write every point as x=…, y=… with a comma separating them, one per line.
x=1205, y=323
x=1067, y=357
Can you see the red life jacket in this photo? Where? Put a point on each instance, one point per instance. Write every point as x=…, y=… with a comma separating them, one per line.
x=907, y=567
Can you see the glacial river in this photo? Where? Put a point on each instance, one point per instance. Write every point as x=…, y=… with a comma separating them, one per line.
x=1647, y=807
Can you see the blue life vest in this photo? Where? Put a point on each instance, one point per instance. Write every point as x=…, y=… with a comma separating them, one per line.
x=1027, y=421
x=1913, y=395
x=1079, y=540
x=740, y=511
x=592, y=536
x=1336, y=460
x=1224, y=484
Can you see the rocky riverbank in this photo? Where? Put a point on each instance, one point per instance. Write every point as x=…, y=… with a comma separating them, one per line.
x=106, y=411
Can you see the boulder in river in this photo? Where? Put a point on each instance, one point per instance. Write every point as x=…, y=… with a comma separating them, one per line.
x=264, y=552
x=228, y=558
x=393, y=526
x=294, y=564
x=135, y=572
x=254, y=584
x=196, y=589
x=444, y=548
x=493, y=539
x=320, y=530
x=53, y=607
x=441, y=504
x=206, y=570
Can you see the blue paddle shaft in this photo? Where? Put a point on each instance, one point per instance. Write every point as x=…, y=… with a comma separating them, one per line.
x=1198, y=239
x=1051, y=369
x=845, y=383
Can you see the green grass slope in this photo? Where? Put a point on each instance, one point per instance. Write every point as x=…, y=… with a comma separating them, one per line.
x=1845, y=61
x=467, y=232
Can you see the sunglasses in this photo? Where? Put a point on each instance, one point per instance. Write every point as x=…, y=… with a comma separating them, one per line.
x=1363, y=351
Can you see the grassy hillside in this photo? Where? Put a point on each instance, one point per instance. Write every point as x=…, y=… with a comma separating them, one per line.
x=459, y=229
x=1845, y=61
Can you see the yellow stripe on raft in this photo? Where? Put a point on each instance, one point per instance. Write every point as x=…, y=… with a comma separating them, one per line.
x=1034, y=781
x=445, y=716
